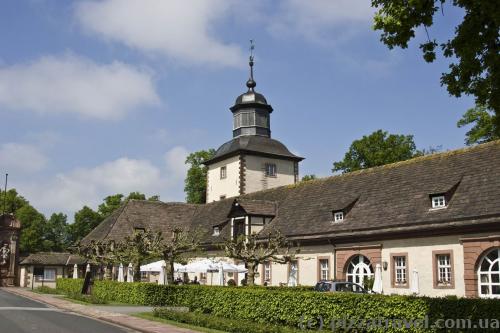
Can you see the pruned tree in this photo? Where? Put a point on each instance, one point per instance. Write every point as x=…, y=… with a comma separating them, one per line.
x=101, y=253
x=137, y=248
x=254, y=250
x=183, y=244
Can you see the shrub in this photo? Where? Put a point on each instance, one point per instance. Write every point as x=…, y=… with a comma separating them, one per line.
x=223, y=324
x=290, y=307
x=86, y=298
x=46, y=290
x=69, y=286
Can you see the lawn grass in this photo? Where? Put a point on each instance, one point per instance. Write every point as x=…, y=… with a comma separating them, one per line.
x=149, y=316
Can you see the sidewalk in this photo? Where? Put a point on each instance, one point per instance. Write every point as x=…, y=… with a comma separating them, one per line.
x=121, y=319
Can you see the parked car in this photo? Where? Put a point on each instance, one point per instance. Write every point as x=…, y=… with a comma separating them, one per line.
x=339, y=286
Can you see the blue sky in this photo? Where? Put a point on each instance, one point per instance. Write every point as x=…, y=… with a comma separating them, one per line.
x=101, y=97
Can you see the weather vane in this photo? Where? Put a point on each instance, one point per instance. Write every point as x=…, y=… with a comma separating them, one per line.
x=252, y=47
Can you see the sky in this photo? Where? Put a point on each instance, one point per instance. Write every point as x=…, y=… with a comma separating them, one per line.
x=105, y=97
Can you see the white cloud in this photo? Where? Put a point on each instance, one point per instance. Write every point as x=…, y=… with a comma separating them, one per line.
x=72, y=84
x=320, y=20
x=21, y=157
x=176, y=28
x=175, y=161
x=70, y=191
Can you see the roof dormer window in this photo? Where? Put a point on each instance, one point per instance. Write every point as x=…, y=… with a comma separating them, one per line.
x=438, y=201
x=216, y=231
x=338, y=216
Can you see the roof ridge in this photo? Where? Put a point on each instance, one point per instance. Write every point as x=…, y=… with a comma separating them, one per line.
x=412, y=160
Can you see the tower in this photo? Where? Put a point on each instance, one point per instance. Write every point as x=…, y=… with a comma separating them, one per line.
x=252, y=161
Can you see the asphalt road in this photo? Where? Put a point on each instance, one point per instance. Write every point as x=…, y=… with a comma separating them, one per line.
x=22, y=315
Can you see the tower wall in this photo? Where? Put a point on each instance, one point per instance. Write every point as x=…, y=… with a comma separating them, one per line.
x=255, y=175
x=229, y=186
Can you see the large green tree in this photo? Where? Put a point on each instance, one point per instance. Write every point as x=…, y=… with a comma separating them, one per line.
x=195, y=184
x=376, y=149
x=474, y=47
x=86, y=219
x=484, y=125
x=56, y=236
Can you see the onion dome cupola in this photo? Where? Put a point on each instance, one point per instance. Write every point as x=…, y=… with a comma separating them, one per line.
x=251, y=113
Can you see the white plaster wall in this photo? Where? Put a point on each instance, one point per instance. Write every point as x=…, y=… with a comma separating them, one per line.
x=255, y=178
x=308, y=267
x=420, y=258
x=229, y=186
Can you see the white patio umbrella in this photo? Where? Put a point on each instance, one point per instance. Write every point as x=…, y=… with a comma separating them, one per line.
x=377, y=283
x=157, y=265
x=75, y=271
x=130, y=273
x=221, y=274
x=88, y=268
x=161, y=279
x=414, y=288
x=292, y=277
x=121, y=278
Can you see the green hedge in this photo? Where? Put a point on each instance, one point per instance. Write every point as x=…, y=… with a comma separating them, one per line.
x=69, y=286
x=288, y=307
x=223, y=324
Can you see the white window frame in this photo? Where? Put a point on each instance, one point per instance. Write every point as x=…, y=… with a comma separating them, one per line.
x=438, y=201
x=267, y=271
x=488, y=274
x=400, y=270
x=223, y=172
x=45, y=275
x=324, y=269
x=444, y=269
x=271, y=170
x=338, y=216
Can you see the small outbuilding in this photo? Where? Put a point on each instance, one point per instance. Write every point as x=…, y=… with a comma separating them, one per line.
x=43, y=268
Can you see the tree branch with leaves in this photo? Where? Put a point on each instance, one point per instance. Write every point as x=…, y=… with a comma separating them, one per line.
x=182, y=245
x=254, y=250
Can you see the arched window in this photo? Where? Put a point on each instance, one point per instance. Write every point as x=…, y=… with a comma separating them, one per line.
x=488, y=275
x=359, y=269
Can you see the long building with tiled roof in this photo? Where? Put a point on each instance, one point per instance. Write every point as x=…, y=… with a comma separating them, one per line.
x=391, y=204
x=427, y=226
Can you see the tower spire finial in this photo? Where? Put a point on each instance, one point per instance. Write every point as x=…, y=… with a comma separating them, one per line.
x=251, y=83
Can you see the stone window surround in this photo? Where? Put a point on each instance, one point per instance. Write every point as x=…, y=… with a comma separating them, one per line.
x=435, y=271
x=474, y=249
x=318, y=259
x=393, y=270
x=344, y=254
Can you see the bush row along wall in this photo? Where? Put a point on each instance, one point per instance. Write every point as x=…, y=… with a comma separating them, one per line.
x=287, y=306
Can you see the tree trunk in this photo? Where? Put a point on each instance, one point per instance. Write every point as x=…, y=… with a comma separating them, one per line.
x=137, y=272
x=107, y=272
x=169, y=270
x=251, y=274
